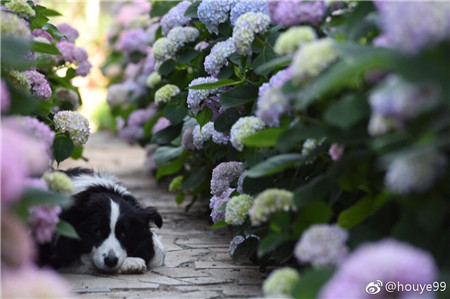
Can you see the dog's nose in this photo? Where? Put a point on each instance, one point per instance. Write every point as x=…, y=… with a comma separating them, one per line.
x=111, y=260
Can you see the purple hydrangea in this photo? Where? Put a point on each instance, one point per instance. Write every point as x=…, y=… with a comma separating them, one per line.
x=322, y=245
x=139, y=117
x=70, y=32
x=36, y=183
x=214, y=12
x=196, y=97
x=78, y=55
x=415, y=26
x=43, y=220
x=73, y=123
x=247, y=26
x=135, y=127
x=131, y=134
x=5, y=99
x=218, y=56
x=41, y=33
x=295, y=12
x=133, y=40
x=216, y=202
x=223, y=175
x=161, y=124
x=37, y=129
x=67, y=50
x=201, y=135
x=245, y=6
x=175, y=17
x=415, y=173
x=149, y=65
x=386, y=260
x=39, y=85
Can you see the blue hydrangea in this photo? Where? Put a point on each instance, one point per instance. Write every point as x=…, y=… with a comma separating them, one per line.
x=247, y=26
x=244, y=127
x=245, y=6
x=196, y=97
x=214, y=12
x=203, y=134
x=218, y=56
x=183, y=35
x=175, y=17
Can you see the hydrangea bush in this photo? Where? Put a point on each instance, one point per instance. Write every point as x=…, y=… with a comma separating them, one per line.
x=39, y=126
x=313, y=126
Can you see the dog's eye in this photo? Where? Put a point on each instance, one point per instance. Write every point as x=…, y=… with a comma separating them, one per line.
x=123, y=235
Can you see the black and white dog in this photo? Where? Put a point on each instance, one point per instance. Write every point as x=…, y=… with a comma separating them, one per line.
x=114, y=230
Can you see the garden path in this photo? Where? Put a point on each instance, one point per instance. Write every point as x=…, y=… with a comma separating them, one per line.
x=197, y=261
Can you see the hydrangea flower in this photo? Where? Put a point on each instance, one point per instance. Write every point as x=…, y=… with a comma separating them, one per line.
x=161, y=124
x=336, y=151
x=415, y=173
x=183, y=35
x=149, y=64
x=77, y=55
x=43, y=220
x=12, y=25
x=201, y=46
x=214, y=12
x=5, y=97
x=175, y=17
x=36, y=183
x=187, y=141
x=386, y=260
x=58, y=181
x=271, y=106
x=117, y=94
x=73, y=123
x=412, y=28
x=42, y=33
x=133, y=40
x=153, y=79
x=220, y=137
x=20, y=81
x=20, y=7
x=131, y=134
x=399, y=100
x=322, y=245
x=295, y=12
x=237, y=209
x=140, y=116
x=67, y=95
x=218, y=56
x=223, y=175
x=67, y=50
x=310, y=145
x=38, y=129
x=281, y=282
x=293, y=38
x=197, y=96
x=163, y=49
x=70, y=32
x=175, y=184
x=243, y=6
x=269, y=202
x=244, y=127
x=39, y=85
x=247, y=26
x=311, y=59
x=216, y=202
x=203, y=134
x=165, y=93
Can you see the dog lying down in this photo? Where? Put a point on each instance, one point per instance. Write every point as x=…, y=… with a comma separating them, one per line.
x=115, y=233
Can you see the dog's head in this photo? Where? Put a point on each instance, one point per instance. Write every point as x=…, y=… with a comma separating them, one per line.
x=113, y=227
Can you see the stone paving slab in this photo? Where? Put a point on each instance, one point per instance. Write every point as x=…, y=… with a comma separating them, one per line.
x=197, y=261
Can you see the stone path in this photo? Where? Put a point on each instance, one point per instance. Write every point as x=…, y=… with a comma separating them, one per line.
x=197, y=261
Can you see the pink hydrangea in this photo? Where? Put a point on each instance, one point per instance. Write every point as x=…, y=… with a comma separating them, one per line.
x=161, y=124
x=43, y=220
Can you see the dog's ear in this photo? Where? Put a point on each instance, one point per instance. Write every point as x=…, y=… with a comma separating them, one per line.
x=151, y=214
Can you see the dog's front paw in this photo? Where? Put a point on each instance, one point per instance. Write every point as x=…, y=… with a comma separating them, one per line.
x=133, y=265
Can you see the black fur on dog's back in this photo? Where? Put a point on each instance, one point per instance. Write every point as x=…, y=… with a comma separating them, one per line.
x=89, y=215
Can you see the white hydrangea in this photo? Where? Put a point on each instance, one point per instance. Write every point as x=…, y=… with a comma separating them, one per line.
x=289, y=41
x=244, y=127
x=269, y=202
x=237, y=209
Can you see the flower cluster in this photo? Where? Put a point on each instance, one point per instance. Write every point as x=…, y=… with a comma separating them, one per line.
x=288, y=42
x=218, y=56
x=43, y=220
x=37, y=129
x=175, y=17
x=69, y=32
x=205, y=133
x=165, y=93
x=67, y=95
x=237, y=209
x=223, y=175
x=322, y=245
x=183, y=35
x=243, y=6
x=216, y=202
x=281, y=283
x=153, y=79
x=161, y=124
x=73, y=123
x=247, y=26
x=73, y=54
x=132, y=41
x=296, y=12
x=58, y=181
x=163, y=49
x=244, y=127
x=214, y=12
x=39, y=85
x=20, y=7
x=12, y=25
x=196, y=97
x=134, y=129
x=117, y=94
x=387, y=260
x=269, y=202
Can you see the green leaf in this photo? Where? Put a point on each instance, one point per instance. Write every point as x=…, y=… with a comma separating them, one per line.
x=273, y=64
x=245, y=250
x=166, y=135
x=347, y=112
x=311, y=281
x=160, y=8
x=297, y=134
x=356, y=214
x=204, y=116
x=271, y=241
x=191, y=11
x=220, y=83
x=314, y=190
x=46, y=11
x=66, y=229
x=187, y=55
x=50, y=28
x=38, y=21
x=264, y=138
x=175, y=113
x=62, y=148
x=315, y=212
x=239, y=96
x=179, y=198
x=167, y=67
x=219, y=224
x=274, y=164
x=253, y=186
x=170, y=168
x=267, y=55
x=77, y=152
x=13, y=52
x=164, y=154
x=226, y=120
x=23, y=103
x=195, y=178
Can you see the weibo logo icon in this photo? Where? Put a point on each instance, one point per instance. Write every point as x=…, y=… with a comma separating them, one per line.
x=374, y=287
